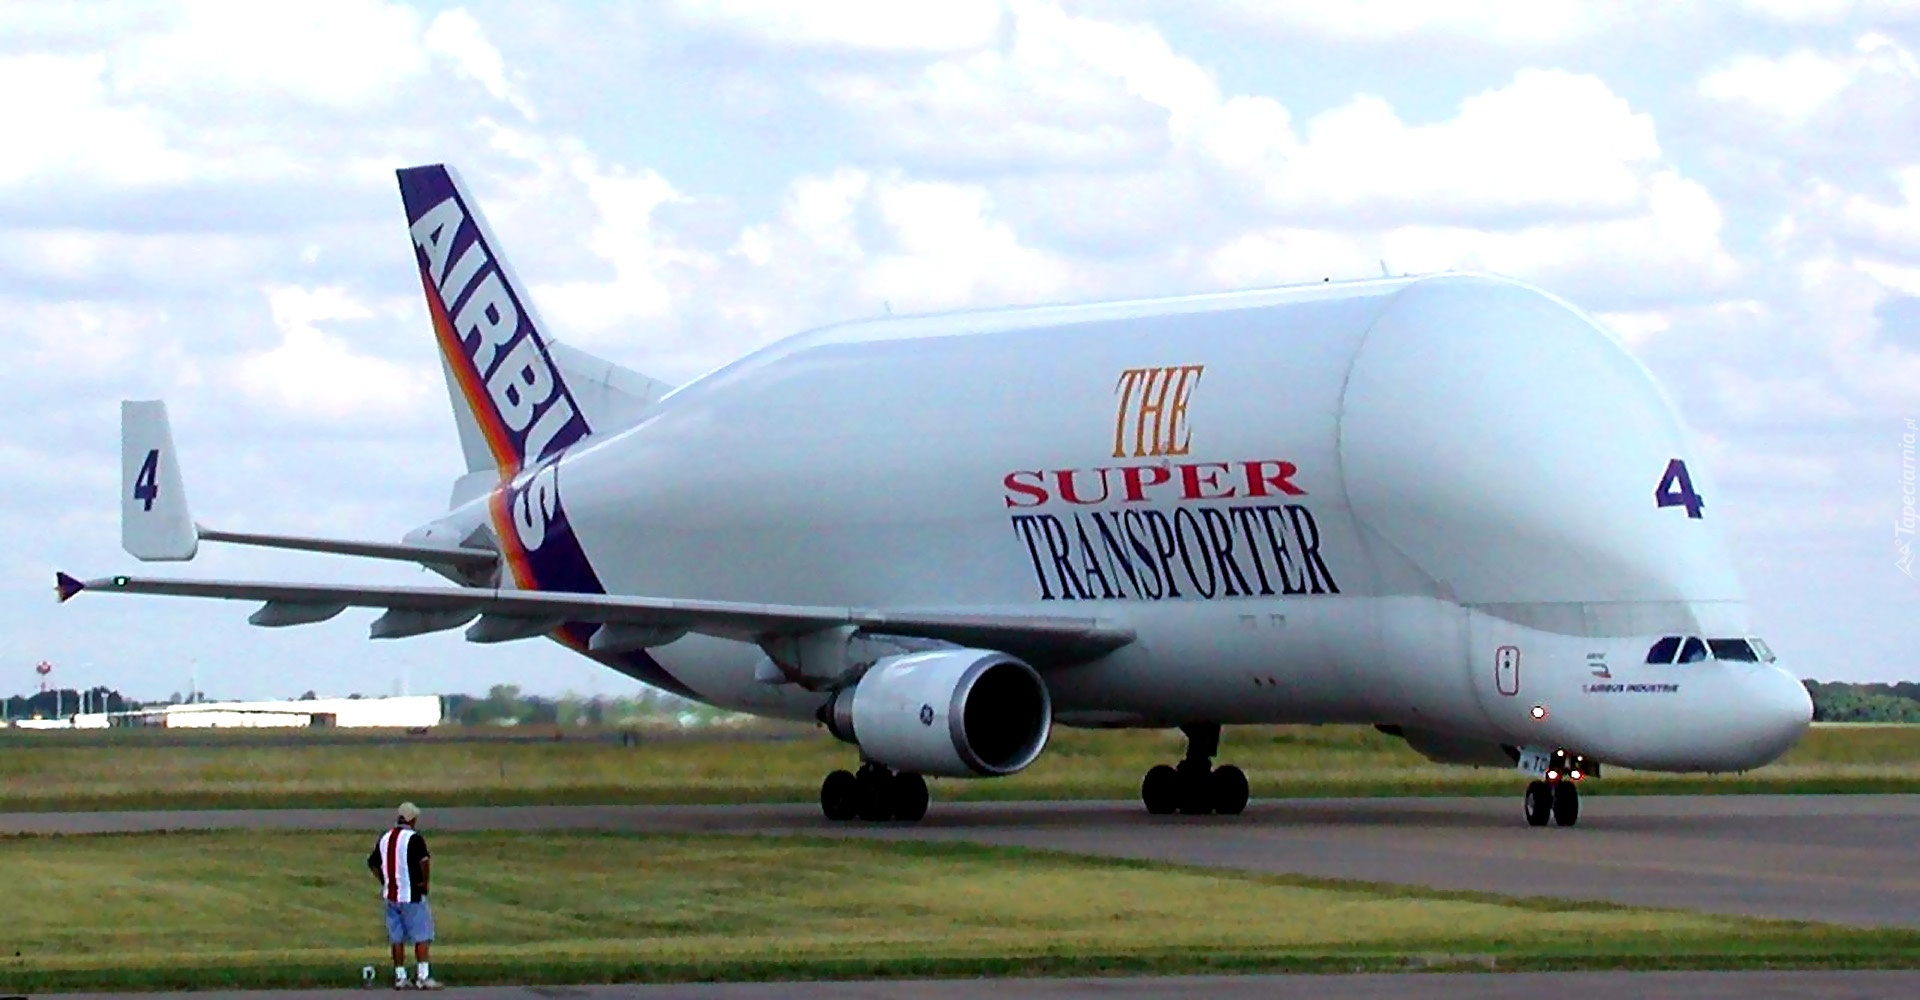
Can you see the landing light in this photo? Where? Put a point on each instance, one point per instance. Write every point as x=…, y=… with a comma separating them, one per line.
x=1539, y=711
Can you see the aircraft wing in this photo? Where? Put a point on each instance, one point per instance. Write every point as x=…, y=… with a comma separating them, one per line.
x=515, y=614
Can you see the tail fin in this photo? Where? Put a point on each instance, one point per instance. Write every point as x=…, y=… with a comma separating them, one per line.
x=509, y=398
x=154, y=523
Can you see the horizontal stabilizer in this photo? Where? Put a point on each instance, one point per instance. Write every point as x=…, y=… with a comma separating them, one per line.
x=472, y=560
x=417, y=610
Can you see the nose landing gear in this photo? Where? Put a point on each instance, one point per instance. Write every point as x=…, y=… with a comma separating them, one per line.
x=1196, y=787
x=1557, y=798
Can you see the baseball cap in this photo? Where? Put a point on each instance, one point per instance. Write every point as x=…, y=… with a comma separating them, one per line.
x=409, y=812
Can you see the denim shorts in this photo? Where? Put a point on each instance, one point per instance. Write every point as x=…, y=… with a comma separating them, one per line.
x=409, y=922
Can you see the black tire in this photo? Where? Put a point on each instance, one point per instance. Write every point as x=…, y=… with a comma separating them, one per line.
x=1160, y=790
x=1196, y=788
x=875, y=794
x=840, y=796
x=909, y=797
x=1228, y=789
x=1566, y=803
x=1539, y=803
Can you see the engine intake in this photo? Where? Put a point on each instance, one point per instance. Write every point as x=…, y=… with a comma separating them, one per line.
x=958, y=713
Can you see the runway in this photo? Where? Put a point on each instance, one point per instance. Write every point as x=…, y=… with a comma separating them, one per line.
x=1835, y=859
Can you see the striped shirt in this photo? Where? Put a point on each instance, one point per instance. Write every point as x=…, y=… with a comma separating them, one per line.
x=399, y=857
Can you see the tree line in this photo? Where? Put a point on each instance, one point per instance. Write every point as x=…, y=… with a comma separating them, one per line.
x=62, y=702
x=1844, y=701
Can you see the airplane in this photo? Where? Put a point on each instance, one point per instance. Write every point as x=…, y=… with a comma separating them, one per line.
x=1450, y=506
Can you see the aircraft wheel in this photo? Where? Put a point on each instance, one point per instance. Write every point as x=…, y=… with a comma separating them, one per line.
x=1228, y=789
x=910, y=797
x=1566, y=803
x=1539, y=803
x=875, y=793
x=1196, y=788
x=1160, y=790
x=840, y=796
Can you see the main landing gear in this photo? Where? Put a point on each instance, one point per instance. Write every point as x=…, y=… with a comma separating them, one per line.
x=876, y=794
x=1558, y=797
x=1196, y=787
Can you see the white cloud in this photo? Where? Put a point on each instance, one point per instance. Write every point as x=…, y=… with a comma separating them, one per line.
x=910, y=26
x=1550, y=144
x=1521, y=22
x=1826, y=11
x=949, y=249
x=1888, y=229
x=318, y=375
x=627, y=237
x=1792, y=87
x=1795, y=87
x=339, y=54
x=61, y=127
x=1671, y=250
x=456, y=35
x=1061, y=91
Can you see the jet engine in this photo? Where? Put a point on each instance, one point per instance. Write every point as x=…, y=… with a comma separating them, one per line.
x=958, y=713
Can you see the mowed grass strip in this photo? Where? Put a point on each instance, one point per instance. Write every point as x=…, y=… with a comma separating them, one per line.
x=298, y=909
x=153, y=769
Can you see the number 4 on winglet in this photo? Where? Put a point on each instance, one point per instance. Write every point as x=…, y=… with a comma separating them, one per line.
x=146, y=486
x=1676, y=490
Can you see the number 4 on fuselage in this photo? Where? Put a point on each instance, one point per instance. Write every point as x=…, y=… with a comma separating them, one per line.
x=1676, y=490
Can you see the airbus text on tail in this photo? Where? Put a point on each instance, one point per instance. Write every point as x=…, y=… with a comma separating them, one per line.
x=154, y=523
x=517, y=409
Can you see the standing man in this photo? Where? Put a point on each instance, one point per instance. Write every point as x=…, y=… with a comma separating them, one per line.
x=401, y=862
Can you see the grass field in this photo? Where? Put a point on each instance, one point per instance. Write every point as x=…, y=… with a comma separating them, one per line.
x=161, y=769
x=166, y=911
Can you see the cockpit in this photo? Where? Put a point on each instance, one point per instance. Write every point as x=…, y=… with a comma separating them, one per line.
x=1694, y=649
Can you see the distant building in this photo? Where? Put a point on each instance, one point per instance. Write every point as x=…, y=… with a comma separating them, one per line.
x=412, y=712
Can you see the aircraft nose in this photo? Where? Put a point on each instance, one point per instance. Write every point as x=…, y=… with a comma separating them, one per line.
x=1782, y=710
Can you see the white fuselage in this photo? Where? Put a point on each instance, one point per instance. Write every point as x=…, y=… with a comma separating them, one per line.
x=1429, y=503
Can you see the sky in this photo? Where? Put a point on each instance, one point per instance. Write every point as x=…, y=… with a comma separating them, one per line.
x=197, y=203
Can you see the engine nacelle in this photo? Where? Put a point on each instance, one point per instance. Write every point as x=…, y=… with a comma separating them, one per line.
x=958, y=713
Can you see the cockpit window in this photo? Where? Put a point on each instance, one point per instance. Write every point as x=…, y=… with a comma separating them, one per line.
x=1732, y=649
x=1694, y=651
x=1759, y=646
x=1663, y=650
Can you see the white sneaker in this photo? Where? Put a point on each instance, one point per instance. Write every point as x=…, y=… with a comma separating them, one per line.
x=428, y=983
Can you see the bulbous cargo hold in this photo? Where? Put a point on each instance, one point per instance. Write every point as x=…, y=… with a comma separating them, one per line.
x=1507, y=450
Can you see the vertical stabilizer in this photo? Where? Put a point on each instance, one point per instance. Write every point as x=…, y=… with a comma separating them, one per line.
x=510, y=399
x=155, y=525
